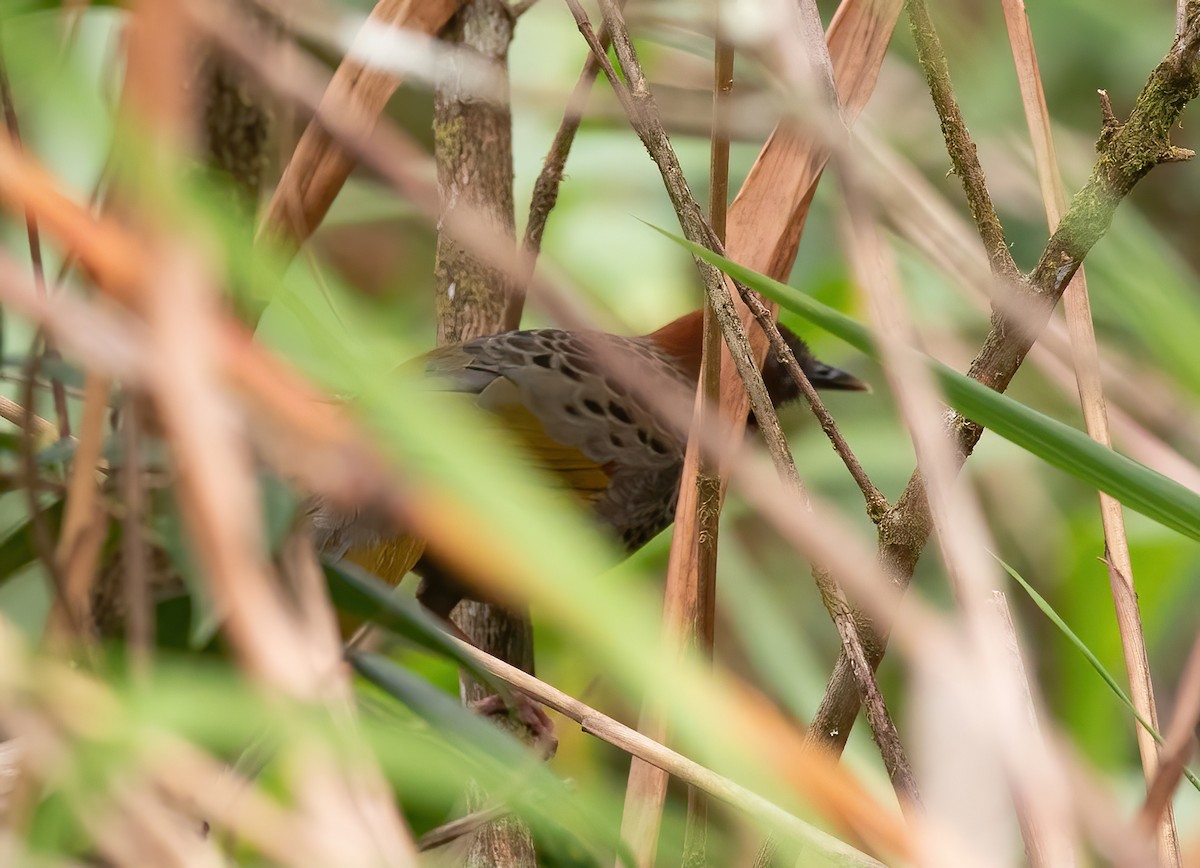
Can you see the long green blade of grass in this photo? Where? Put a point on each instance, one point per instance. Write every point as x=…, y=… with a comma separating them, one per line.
x=1135, y=485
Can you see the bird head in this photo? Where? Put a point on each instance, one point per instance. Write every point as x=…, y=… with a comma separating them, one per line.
x=683, y=338
x=783, y=389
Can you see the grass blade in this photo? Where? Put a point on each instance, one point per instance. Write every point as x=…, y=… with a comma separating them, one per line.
x=1091, y=658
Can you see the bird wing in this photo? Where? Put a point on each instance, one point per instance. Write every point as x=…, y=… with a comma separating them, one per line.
x=558, y=378
x=545, y=388
x=582, y=475
x=502, y=375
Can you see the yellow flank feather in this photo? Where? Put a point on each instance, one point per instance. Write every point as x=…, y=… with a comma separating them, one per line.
x=582, y=476
x=391, y=560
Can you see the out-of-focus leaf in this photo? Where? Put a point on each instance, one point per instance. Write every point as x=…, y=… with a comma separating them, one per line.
x=19, y=549
x=50, y=367
x=1106, y=676
x=57, y=452
x=55, y=828
x=489, y=745
x=441, y=711
x=1150, y=293
x=169, y=526
x=1135, y=485
x=24, y=7
x=278, y=508
x=356, y=592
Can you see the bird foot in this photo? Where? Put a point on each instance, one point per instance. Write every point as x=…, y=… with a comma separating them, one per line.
x=527, y=714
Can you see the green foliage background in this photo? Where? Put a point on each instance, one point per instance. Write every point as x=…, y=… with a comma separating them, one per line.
x=362, y=303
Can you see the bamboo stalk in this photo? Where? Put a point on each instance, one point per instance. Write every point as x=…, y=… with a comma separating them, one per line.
x=1091, y=397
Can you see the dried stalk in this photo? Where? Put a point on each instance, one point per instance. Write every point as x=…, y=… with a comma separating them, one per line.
x=1045, y=824
x=1178, y=745
x=84, y=519
x=961, y=526
x=633, y=742
x=139, y=607
x=320, y=165
x=349, y=809
x=44, y=431
x=702, y=532
x=1091, y=395
x=455, y=829
x=1126, y=153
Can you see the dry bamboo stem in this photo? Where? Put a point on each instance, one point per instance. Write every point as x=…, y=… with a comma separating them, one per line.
x=1091, y=396
x=633, y=742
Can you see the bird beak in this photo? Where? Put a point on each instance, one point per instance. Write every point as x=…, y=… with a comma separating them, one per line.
x=835, y=379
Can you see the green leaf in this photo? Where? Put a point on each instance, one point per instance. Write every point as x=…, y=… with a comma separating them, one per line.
x=57, y=452
x=19, y=549
x=1135, y=485
x=49, y=368
x=1092, y=659
x=444, y=713
x=541, y=796
x=357, y=592
x=279, y=504
x=168, y=525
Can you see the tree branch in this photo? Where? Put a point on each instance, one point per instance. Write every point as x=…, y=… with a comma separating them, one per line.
x=642, y=111
x=475, y=297
x=1126, y=153
x=549, y=180
x=958, y=141
x=877, y=505
x=631, y=741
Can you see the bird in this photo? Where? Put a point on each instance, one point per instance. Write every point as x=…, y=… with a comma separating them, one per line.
x=576, y=418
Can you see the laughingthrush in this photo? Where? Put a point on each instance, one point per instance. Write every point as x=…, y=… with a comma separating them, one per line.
x=578, y=419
